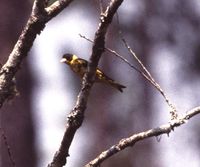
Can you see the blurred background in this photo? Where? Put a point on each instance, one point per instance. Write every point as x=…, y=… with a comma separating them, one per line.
x=164, y=34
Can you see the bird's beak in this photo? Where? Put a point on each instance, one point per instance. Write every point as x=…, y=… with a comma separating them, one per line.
x=63, y=60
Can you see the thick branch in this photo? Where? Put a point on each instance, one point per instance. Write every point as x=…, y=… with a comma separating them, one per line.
x=132, y=140
x=75, y=118
x=38, y=18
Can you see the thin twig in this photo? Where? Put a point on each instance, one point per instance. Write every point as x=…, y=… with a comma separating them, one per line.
x=132, y=140
x=3, y=135
x=148, y=76
x=173, y=111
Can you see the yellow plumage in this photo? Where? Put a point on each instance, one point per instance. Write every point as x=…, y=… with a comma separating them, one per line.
x=79, y=66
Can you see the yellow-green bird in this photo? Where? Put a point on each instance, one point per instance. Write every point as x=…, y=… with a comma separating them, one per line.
x=79, y=66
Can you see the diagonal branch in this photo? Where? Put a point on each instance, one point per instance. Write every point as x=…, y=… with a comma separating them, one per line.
x=35, y=24
x=132, y=140
x=10, y=155
x=38, y=6
x=76, y=116
x=57, y=7
x=146, y=74
x=173, y=111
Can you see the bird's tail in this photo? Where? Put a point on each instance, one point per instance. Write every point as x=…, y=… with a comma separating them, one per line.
x=117, y=85
x=101, y=77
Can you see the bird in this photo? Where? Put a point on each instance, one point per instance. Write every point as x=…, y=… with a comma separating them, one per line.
x=79, y=66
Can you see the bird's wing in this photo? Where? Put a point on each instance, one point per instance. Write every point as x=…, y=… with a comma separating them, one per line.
x=101, y=76
x=79, y=66
x=82, y=62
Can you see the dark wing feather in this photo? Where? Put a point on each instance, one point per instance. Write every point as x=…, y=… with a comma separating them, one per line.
x=82, y=62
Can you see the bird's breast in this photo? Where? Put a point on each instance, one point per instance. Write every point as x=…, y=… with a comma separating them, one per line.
x=79, y=69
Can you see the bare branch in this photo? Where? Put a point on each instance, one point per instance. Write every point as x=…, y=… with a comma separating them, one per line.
x=76, y=116
x=132, y=140
x=146, y=74
x=173, y=111
x=57, y=7
x=38, y=7
x=36, y=23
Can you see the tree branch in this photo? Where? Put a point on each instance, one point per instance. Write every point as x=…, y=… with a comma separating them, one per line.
x=57, y=7
x=173, y=111
x=36, y=23
x=38, y=7
x=76, y=116
x=132, y=140
x=10, y=155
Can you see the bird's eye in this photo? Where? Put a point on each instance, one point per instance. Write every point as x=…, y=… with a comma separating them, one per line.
x=68, y=57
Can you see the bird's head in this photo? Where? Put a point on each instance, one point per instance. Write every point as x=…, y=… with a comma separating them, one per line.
x=67, y=58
